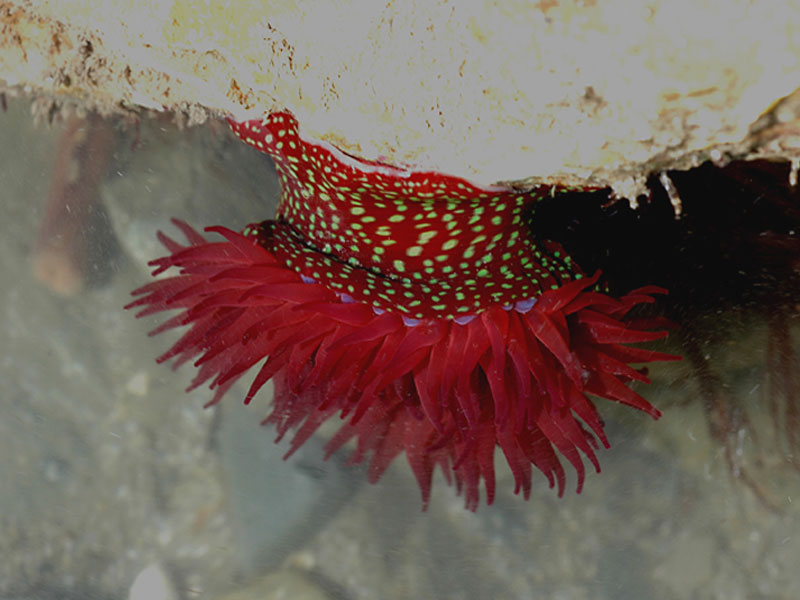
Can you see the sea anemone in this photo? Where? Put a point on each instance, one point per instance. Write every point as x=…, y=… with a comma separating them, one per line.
x=416, y=306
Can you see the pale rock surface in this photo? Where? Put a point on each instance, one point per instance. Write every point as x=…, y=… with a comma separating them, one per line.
x=582, y=93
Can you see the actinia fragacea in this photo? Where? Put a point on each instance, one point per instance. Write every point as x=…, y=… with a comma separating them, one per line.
x=416, y=306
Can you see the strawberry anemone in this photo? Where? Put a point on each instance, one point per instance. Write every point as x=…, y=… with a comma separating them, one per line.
x=414, y=306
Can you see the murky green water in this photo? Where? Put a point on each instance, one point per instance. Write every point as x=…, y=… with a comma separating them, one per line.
x=110, y=471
